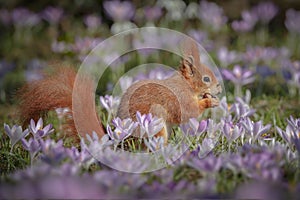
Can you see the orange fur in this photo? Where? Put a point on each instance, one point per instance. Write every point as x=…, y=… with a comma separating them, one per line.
x=55, y=91
x=184, y=95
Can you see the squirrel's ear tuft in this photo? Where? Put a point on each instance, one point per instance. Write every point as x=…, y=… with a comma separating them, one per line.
x=190, y=49
x=187, y=66
x=191, y=57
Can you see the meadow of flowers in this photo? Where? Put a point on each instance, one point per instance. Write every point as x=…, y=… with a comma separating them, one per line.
x=250, y=151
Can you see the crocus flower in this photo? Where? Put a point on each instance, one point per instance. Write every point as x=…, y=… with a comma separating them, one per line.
x=95, y=142
x=125, y=83
x=52, y=14
x=265, y=11
x=202, y=38
x=83, y=157
x=210, y=164
x=231, y=132
x=261, y=190
x=15, y=134
x=110, y=103
x=227, y=57
x=32, y=146
x=84, y=45
x=191, y=11
x=292, y=21
x=52, y=152
x=247, y=23
x=212, y=15
x=119, y=11
x=254, y=129
x=241, y=109
x=123, y=129
x=154, y=143
x=22, y=17
x=152, y=13
x=175, y=8
x=37, y=129
x=149, y=124
x=212, y=137
x=294, y=123
x=291, y=133
x=92, y=21
x=239, y=77
x=194, y=127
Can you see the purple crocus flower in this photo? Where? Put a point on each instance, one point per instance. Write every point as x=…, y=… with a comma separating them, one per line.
x=52, y=152
x=149, y=124
x=202, y=38
x=212, y=15
x=52, y=14
x=33, y=146
x=292, y=21
x=123, y=129
x=210, y=164
x=84, y=45
x=231, y=131
x=22, y=17
x=247, y=23
x=191, y=11
x=211, y=139
x=119, y=11
x=154, y=143
x=92, y=21
x=254, y=129
x=194, y=127
x=37, y=129
x=291, y=133
x=261, y=190
x=152, y=13
x=110, y=103
x=254, y=54
x=265, y=11
x=260, y=163
x=261, y=166
x=15, y=134
x=241, y=109
x=239, y=75
x=125, y=83
x=174, y=9
x=294, y=123
x=83, y=157
x=227, y=57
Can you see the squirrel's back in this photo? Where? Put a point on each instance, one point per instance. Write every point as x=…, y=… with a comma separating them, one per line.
x=169, y=99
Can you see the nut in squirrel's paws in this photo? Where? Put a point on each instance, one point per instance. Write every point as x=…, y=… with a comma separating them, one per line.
x=214, y=101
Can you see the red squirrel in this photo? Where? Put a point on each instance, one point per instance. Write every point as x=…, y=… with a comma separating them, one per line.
x=186, y=94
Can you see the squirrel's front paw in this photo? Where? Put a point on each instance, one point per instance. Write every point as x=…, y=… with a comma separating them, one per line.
x=208, y=102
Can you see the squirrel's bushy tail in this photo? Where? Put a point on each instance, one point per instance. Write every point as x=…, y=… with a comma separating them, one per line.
x=55, y=91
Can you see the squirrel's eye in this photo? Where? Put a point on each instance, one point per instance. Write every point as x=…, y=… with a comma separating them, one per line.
x=206, y=79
